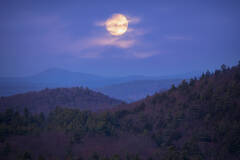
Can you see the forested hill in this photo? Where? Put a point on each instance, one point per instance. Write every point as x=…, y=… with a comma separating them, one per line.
x=197, y=120
x=47, y=99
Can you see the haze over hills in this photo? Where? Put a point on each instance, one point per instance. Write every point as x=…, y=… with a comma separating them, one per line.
x=51, y=78
x=138, y=89
x=46, y=100
x=58, y=78
x=198, y=120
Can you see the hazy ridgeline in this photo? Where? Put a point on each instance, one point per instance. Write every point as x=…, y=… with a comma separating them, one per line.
x=125, y=88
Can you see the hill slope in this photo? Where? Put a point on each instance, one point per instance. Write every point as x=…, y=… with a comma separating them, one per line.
x=196, y=120
x=47, y=99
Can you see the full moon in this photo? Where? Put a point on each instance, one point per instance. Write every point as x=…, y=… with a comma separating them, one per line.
x=117, y=24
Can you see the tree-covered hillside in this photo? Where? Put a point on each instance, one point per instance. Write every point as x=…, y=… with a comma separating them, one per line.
x=47, y=99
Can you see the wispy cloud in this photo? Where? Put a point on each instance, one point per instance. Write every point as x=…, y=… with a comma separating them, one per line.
x=57, y=40
x=133, y=20
x=126, y=41
x=101, y=41
x=113, y=41
x=99, y=23
x=143, y=55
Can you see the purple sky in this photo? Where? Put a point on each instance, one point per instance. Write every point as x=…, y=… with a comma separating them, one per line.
x=163, y=37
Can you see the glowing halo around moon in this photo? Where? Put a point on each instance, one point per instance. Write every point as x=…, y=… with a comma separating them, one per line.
x=117, y=24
